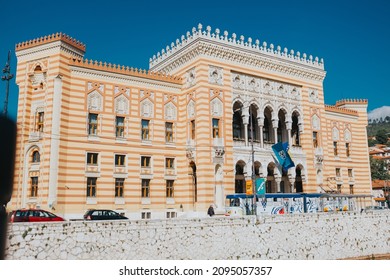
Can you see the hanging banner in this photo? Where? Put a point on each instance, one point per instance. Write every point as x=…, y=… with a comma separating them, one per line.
x=260, y=186
x=249, y=187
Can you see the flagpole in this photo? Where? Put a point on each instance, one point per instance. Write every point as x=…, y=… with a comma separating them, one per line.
x=253, y=163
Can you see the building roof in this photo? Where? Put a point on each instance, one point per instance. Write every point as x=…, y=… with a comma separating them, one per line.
x=51, y=38
x=379, y=184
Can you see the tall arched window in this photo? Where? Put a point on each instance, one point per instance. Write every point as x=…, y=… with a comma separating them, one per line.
x=237, y=126
x=295, y=130
x=36, y=157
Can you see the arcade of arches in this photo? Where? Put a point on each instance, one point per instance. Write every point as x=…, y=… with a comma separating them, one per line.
x=275, y=183
x=267, y=127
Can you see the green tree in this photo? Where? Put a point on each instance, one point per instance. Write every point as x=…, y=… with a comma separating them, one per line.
x=372, y=142
x=381, y=136
x=378, y=169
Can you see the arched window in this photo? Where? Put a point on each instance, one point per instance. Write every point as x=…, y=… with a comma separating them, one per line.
x=295, y=130
x=237, y=126
x=36, y=157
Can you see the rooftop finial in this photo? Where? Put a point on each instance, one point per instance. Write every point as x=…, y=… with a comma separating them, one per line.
x=233, y=40
x=200, y=27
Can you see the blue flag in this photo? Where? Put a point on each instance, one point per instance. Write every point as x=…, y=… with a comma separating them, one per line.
x=282, y=155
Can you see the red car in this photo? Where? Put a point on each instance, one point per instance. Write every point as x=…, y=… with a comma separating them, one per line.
x=33, y=215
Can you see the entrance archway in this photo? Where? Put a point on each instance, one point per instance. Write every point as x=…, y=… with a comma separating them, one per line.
x=194, y=181
x=271, y=186
x=298, y=179
x=239, y=186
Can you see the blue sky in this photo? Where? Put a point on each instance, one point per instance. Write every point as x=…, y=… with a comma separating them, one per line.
x=351, y=36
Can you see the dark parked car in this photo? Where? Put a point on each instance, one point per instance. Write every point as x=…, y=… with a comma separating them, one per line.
x=102, y=214
x=33, y=215
x=374, y=208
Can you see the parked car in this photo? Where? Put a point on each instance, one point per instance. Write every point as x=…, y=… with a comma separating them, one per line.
x=103, y=214
x=33, y=215
x=374, y=208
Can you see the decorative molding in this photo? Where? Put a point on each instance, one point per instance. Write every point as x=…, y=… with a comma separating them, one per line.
x=147, y=108
x=315, y=122
x=203, y=42
x=121, y=105
x=126, y=70
x=48, y=49
x=215, y=75
x=216, y=107
x=347, y=135
x=170, y=111
x=121, y=90
x=265, y=87
x=335, y=134
x=191, y=109
x=51, y=38
x=190, y=78
x=95, y=101
x=313, y=96
x=126, y=79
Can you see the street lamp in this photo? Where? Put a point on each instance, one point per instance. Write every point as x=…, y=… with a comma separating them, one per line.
x=7, y=77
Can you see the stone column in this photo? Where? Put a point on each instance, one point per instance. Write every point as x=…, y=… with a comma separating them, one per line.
x=291, y=178
x=55, y=142
x=260, y=121
x=278, y=179
x=275, y=127
x=245, y=120
x=289, y=127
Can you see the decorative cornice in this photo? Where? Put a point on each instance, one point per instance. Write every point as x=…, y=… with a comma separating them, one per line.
x=336, y=109
x=351, y=102
x=51, y=38
x=46, y=50
x=123, y=78
x=125, y=70
x=230, y=49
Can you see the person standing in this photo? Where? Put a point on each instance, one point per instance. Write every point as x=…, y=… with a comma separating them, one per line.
x=210, y=211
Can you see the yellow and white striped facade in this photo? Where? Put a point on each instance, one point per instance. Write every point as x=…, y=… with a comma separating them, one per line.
x=175, y=139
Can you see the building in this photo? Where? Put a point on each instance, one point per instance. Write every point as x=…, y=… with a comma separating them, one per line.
x=173, y=140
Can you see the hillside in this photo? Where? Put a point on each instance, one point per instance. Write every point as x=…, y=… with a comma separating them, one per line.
x=373, y=128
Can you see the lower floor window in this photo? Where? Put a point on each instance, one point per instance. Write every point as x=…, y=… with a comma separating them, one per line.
x=169, y=188
x=145, y=189
x=119, y=186
x=146, y=215
x=171, y=215
x=34, y=187
x=91, y=187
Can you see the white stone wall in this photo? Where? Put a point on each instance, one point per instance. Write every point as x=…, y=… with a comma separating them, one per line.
x=295, y=237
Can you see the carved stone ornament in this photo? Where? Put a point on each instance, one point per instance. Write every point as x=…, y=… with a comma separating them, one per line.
x=170, y=111
x=215, y=75
x=147, y=108
x=191, y=109
x=253, y=84
x=190, y=154
x=313, y=96
x=216, y=107
x=123, y=90
x=219, y=152
x=335, y=134
x=121, y=105
x=95, y=101
x=347, y=135
x=238, y=81
x=315, y=122
x=190, y=78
